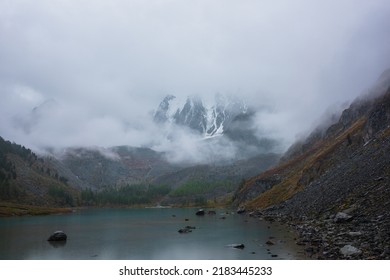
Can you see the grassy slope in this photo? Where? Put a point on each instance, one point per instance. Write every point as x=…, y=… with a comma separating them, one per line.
x=13, y=209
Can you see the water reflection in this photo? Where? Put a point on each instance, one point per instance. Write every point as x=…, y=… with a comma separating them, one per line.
x=57, y=244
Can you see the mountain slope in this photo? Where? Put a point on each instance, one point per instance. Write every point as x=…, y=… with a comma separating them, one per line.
x=343, y=169
x=118, y=166
x=27, y=179
x=211, y=182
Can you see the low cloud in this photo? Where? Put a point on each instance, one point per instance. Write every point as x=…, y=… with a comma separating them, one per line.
x=95, y=71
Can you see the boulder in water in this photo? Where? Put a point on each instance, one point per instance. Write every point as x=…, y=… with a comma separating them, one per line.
x=58, y=236
x=184, y=230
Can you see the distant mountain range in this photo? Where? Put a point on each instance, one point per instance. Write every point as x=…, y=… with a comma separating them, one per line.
x=61, y=178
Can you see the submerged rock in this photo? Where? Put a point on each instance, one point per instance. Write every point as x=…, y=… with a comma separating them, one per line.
x=187, y=229
x=58, y=236
x=237, y=246
x=270, y=243
x=184, y=230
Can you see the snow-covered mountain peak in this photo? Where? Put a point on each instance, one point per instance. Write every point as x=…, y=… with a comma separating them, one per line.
x=208, y=119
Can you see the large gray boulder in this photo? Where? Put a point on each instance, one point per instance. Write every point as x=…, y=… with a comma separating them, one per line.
x=349, y=250
x=342, y=217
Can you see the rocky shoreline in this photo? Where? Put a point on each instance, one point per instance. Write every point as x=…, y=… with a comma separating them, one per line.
x=336, y=237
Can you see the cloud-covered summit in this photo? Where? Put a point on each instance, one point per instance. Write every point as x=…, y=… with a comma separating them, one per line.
x=108, y=64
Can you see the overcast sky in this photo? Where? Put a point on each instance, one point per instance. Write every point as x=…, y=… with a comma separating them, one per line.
x=103, y=66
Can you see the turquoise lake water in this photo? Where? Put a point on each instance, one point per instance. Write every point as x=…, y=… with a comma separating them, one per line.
x=143, y=234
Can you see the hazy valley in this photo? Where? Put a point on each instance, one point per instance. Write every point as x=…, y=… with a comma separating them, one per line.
x=334, y=182
x=195, y=129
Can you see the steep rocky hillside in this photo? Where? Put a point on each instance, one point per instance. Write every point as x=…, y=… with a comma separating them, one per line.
x=343, y=171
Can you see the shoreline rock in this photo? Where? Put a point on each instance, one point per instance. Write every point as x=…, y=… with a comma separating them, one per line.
x=323, y=238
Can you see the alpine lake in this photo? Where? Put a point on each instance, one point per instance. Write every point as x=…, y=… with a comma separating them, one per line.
x=145, y=234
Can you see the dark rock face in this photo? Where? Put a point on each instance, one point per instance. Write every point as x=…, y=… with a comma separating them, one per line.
x=58, y=236
x=193, y=115
x=161, y=113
